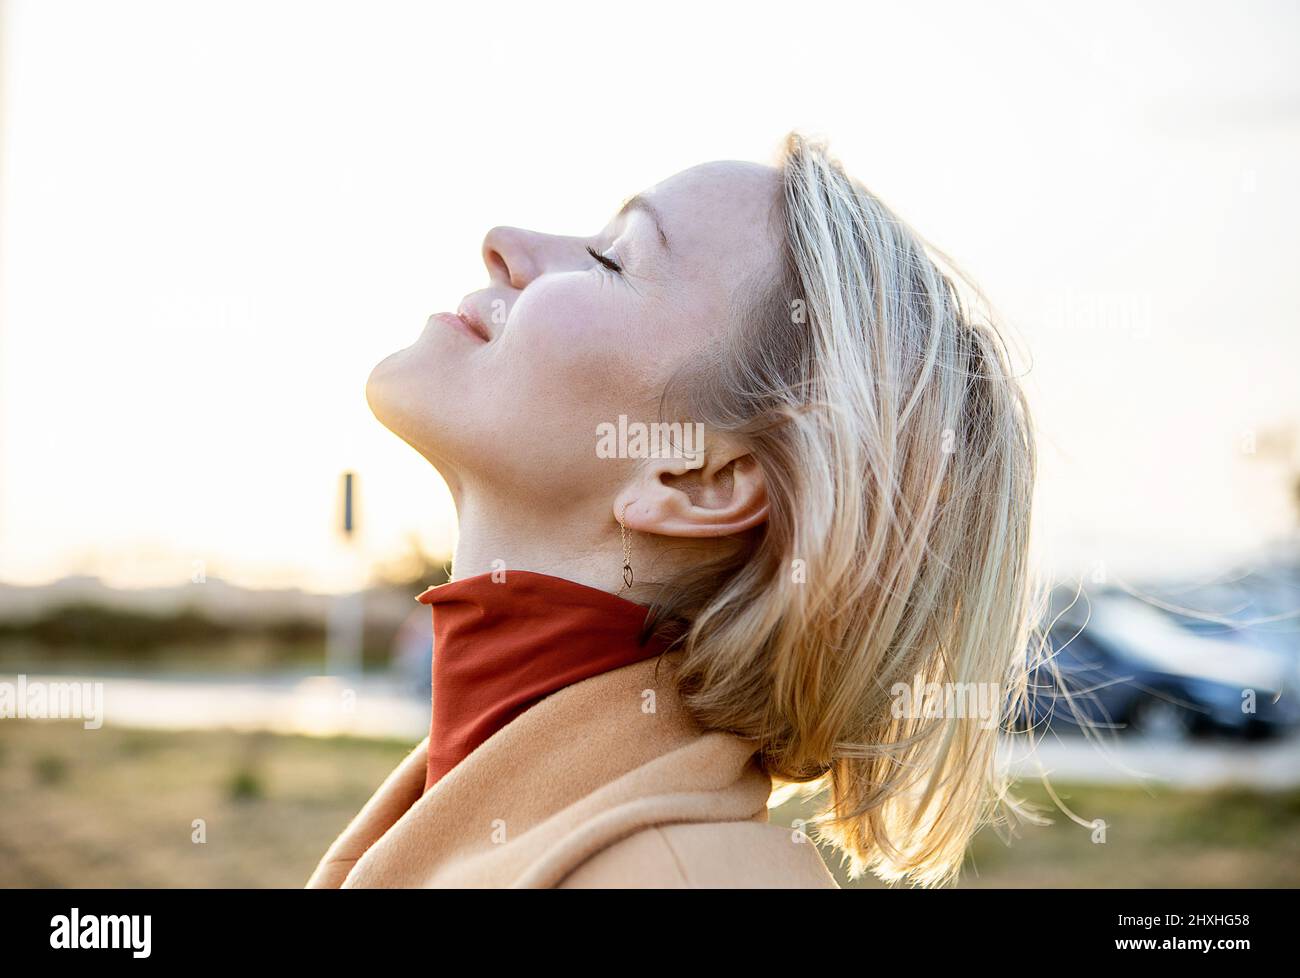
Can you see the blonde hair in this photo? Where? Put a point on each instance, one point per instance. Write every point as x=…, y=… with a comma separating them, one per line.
x=898, y=456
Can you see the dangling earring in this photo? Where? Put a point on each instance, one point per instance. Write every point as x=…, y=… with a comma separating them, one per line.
x=627, y=548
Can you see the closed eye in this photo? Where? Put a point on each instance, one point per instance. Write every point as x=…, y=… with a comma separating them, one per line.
x=608, y=262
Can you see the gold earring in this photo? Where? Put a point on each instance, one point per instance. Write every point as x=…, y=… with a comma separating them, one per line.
x=627, y=548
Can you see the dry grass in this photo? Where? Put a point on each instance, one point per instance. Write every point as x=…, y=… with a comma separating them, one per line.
x=1160, y=837
x=115, y=808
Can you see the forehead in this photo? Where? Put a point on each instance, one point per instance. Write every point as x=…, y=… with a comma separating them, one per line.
x=720, y=215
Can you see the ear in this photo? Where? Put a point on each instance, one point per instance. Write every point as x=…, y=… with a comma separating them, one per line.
x=715, y=493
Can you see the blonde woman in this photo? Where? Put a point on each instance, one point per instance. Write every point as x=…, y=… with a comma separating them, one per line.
x=650, y=627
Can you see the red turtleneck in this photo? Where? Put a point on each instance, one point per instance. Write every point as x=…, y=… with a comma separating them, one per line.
x=501, y=646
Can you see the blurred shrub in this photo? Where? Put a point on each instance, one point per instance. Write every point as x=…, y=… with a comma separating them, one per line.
x=142, y=635
x=245, y=785
x=87, y=626
x=50, y=769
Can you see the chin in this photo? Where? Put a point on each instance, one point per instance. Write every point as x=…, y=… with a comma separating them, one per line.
x=381, y=388
x=397, y=395
x=407, y=395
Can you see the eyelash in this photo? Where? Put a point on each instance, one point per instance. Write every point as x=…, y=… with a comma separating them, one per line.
x=609, y=263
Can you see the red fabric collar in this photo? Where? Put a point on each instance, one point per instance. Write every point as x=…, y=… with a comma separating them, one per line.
x=500, y=647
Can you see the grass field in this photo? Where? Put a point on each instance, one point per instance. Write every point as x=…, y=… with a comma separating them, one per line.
x=117, y=808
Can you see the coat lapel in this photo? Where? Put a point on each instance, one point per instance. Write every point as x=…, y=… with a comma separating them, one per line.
x=582, y=769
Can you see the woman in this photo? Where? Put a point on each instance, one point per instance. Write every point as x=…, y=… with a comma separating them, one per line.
x=643, y=635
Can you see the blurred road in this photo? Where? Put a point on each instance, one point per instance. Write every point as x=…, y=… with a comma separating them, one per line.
x=320, y=706
x=372, y=707
x=1132, y=759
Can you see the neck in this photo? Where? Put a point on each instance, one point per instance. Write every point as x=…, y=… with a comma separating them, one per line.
x=579, y=543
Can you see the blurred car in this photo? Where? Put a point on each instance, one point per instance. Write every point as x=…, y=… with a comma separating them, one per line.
x=1127, y=666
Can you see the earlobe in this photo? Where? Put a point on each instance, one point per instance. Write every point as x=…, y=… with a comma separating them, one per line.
x=721, y=498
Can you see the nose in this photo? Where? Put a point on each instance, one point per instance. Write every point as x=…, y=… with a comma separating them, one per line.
x=512, y=256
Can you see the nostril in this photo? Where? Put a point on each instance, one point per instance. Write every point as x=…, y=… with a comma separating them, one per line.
x=506, y=255
x=497, y=265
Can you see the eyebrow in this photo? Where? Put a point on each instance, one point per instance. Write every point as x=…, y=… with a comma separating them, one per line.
x=639, y=203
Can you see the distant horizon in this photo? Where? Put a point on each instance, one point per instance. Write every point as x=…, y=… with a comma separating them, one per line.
x=1170, y=568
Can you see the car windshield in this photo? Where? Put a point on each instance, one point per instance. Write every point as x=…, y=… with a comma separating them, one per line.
x=1147, y=636
x=1142, y=635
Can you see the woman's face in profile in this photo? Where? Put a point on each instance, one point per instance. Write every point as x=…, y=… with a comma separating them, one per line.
x=575, y=331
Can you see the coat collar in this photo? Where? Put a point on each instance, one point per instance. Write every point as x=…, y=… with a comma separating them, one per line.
x=502, y=643
x=582, y=769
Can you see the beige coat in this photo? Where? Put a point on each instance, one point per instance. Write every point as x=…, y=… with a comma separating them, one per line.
x=607, y=783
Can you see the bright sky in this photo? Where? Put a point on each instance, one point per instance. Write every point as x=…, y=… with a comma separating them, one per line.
x=216, y=217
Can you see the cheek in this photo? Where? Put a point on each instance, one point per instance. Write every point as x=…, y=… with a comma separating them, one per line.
x=576, y=340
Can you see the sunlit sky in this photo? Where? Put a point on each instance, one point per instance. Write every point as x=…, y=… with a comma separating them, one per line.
x=216, y=217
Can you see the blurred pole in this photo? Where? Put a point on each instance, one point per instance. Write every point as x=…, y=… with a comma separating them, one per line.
x=345, y=624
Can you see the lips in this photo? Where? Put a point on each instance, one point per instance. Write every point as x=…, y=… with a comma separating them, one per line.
x=476, y=326
x=474, y=318
x=461, y=324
